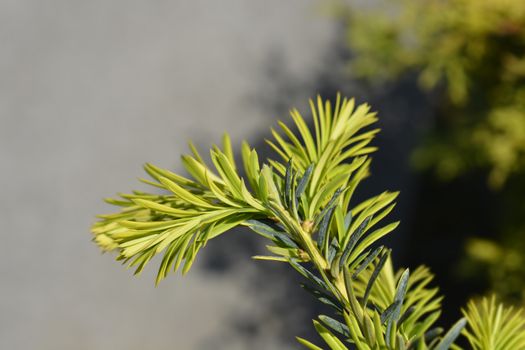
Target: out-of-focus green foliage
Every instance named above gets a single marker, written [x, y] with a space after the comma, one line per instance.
[471, 54]
[475, 52]
[505, 265]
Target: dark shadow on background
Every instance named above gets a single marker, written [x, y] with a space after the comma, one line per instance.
[404, 114]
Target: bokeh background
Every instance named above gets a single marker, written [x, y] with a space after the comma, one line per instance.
[91, 90]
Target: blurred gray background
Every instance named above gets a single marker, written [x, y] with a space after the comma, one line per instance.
[91, 90]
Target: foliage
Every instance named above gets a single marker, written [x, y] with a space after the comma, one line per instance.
[505, 264]
[301, 202]
[493, 326]
[474, 50]
[472, 55]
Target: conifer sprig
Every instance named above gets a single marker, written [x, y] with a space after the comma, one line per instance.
[302, 203]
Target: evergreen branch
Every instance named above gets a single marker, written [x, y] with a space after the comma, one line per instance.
[491, 326]
[303, 207]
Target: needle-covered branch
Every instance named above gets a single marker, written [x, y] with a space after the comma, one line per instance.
[303, 205]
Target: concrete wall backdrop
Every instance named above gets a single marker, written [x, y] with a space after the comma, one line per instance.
[91, 90]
